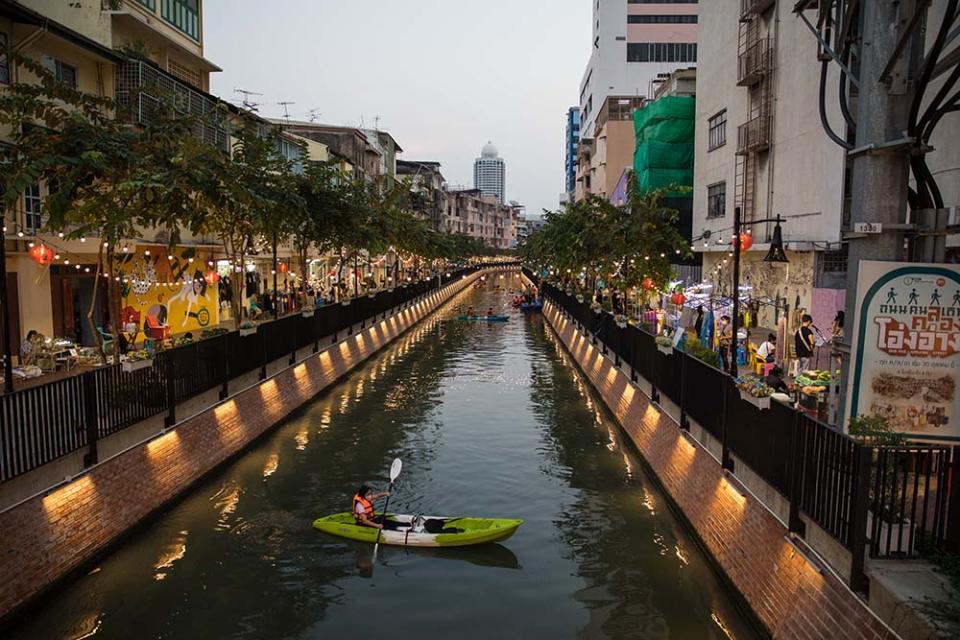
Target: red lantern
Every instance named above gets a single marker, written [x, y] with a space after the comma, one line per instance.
[42, 254]
[746, 241]
[678, 298]
[284, 267]
[212, 278]
[648, 284]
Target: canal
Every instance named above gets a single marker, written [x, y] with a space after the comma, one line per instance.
[489, 420]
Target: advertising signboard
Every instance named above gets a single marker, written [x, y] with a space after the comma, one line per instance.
[905, 348]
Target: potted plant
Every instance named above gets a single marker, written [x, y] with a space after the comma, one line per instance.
[621, 320]
[596, 307]
[137, 360]
[308, 312]
[755, 391]
[247, 328]
[664, 342]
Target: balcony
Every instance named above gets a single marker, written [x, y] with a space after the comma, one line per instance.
[144, 88]
[751, 8]
[755, 62]
[753, 136]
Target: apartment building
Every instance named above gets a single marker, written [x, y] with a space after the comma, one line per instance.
[363, 154]
[426, 182]
[632, 42]
[603, 159]
[472, 213]
[150, 49]
[761, 146]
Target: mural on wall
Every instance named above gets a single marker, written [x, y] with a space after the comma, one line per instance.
[169, 284]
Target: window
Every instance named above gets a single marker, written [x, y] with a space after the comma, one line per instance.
[149, 4]
[662, 19]
[836, 261]
[62, 72]
[184, 15]
[717, 200]
[32, 209]
[663, 1]
[718, 130]
[661, 52]
[4, 65]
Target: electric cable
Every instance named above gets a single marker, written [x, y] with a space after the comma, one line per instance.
[823, 109]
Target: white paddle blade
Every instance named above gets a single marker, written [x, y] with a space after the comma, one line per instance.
[395, 469]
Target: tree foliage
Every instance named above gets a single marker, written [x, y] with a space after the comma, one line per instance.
[622, 246]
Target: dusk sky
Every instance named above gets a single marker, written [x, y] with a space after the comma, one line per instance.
[443, 76]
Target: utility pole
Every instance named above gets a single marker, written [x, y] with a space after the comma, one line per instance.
[881, 155]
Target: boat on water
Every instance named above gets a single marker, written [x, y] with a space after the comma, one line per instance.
[531, 307]
[421, 531]
[484, 318]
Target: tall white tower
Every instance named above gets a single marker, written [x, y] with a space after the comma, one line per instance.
[490, 173]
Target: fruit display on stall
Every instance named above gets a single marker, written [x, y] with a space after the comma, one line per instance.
[754, 386]
[816, 378]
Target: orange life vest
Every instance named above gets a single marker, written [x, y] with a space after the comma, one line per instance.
[367, 509]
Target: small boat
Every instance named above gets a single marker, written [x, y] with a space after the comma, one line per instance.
[531, 307]
[484, 318]
[422, 531]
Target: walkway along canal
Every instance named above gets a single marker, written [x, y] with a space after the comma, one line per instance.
[489, 420]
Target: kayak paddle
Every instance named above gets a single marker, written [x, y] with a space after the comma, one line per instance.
[394, 472]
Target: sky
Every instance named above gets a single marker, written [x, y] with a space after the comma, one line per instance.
[442, 76]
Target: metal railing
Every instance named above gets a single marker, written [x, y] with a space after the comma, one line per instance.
[892, 501]
[754, 135]
[41, 424]
[755, 62]
[143, 88]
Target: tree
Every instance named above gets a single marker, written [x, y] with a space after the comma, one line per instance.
[310, 225]
[247, 195]
[624, 246]
[107, 179]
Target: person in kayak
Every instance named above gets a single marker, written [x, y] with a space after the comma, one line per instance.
[490, 312]
[363, 511]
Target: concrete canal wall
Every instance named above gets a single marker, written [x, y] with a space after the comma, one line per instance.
[52, 534]
[791, 595]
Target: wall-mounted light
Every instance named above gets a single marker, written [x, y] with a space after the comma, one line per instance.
[800, 547]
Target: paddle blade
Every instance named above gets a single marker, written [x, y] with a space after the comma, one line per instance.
[395, 469]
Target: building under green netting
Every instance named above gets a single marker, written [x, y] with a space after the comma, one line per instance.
[665, 143]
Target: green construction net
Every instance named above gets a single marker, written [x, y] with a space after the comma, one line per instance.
[665, 143]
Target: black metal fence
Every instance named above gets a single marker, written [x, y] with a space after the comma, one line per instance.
[899, 500]
[41, 424]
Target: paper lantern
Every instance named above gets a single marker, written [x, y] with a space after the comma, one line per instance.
[42, 254]
[746, 241]
[678, 298]
[648, 284]
[212, 278]
[284, 267]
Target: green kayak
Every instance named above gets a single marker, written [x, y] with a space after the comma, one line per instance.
[422, 531]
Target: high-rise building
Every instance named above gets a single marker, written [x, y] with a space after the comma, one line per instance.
[633, 42]
[490, 173]
[573, 140]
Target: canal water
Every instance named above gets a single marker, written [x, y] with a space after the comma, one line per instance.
[489, 420]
